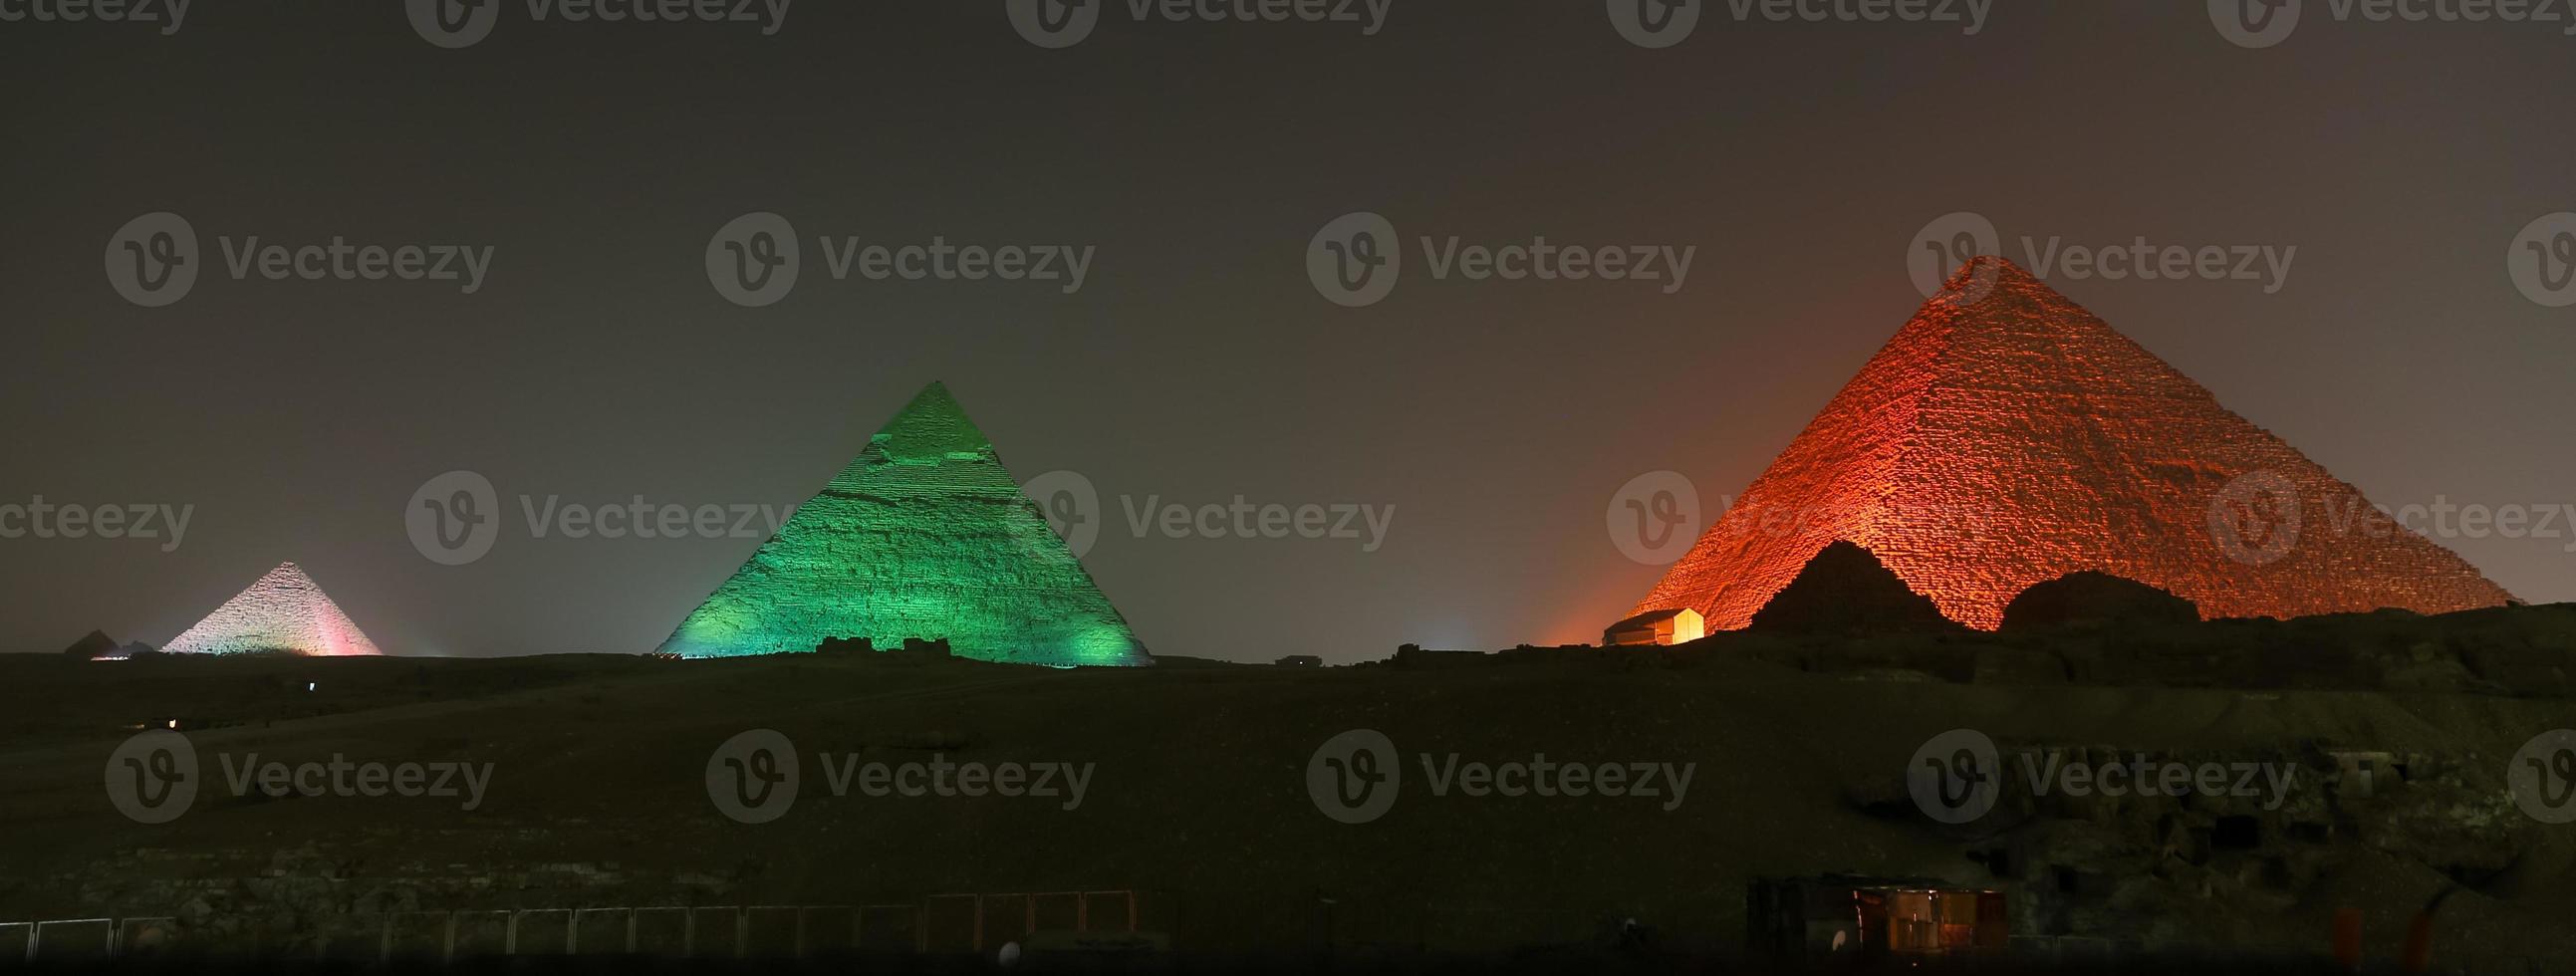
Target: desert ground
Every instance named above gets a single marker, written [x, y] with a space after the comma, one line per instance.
[1197, 798]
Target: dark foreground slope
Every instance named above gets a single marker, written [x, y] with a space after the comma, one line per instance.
[1198, 794]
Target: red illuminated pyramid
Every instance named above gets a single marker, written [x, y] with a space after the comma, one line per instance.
[2015, 438]
[283, 612]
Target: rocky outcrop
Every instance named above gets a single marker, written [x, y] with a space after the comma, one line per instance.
[2096, 598]
[1846, 590]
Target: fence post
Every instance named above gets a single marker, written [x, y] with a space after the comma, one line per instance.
[447, 952]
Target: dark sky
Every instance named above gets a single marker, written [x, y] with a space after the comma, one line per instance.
[597, 362]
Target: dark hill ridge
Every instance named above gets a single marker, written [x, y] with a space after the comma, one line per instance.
[599, 791]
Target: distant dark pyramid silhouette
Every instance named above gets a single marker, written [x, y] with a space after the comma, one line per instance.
[925, 536]
[93, 647]
[1845, 589]
[2014, 438]
[283, 611]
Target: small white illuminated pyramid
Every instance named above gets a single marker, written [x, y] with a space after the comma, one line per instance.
[283, 612]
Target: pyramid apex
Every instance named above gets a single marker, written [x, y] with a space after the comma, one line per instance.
[1989, 270]
[931, 427]
[284, 610]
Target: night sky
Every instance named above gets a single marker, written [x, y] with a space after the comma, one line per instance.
[1197, 362]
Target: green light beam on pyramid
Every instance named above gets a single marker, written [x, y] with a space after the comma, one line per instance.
[925, 535]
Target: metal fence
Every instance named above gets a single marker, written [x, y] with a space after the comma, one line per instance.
[938, 924]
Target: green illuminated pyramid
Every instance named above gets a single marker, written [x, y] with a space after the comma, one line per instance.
[926, 536]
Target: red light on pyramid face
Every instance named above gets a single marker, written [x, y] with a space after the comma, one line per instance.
[2010, 440]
